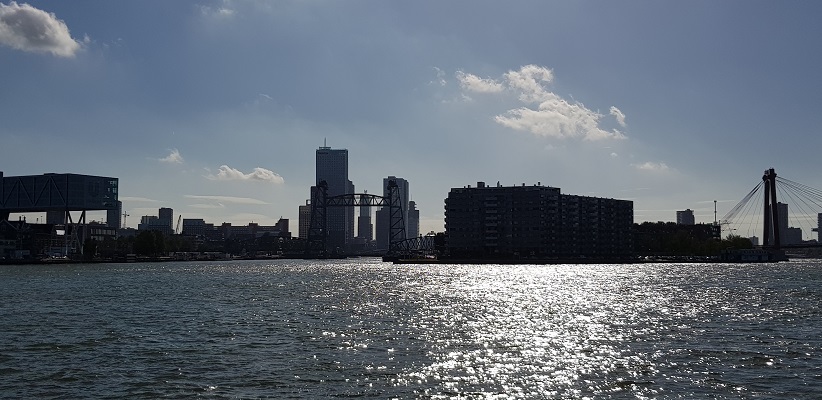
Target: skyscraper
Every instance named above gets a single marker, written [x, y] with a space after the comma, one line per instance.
[383, 214]
[365, 230]
[413, 223]
[115, 216]
[304, 221]
[332, 167]
[166, 216]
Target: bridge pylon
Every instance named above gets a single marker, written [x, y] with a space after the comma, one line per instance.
[771, 211]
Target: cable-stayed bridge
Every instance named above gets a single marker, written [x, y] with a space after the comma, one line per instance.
[778, 212]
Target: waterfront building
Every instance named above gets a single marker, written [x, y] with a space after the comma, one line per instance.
[56, 195]
[383, 214]
[166, 216]
[114, 216]
[535, 221]
[819, 228]
[413, 222]
[365, 229]
[304, 222]
[332, 167]
[782, 220]
[793, 236]
[685, 217]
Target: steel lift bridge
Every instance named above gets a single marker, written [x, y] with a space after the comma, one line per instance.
[316, 244]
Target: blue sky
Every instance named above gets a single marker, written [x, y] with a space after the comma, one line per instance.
[215, 108]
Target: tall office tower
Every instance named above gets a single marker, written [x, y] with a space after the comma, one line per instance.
[332, 167]
[305, 219]
[166, 217]
[383, 214]
[365, 230]
[115, 217]
[413, 223]
[782, 220]
[685, 217]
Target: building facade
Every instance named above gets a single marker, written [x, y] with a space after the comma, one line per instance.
[383, 215]
[535, 221]
[114, 217]
[685, 217]
[332, 167]
[413, 223]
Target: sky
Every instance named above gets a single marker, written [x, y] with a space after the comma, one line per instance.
[215, 108]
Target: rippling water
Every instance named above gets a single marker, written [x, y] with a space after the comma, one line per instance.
[364, 328]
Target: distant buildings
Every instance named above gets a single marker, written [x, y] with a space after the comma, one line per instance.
[685, 217]
[535, 221]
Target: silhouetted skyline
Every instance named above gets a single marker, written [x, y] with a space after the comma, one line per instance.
[215, 108]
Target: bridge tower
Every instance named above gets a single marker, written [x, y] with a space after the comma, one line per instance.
[771, 211]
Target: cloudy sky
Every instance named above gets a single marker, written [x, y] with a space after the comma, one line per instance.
[215, 108]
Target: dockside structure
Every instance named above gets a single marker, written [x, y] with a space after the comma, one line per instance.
[535, 222]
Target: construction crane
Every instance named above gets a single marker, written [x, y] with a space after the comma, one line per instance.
[179, 219]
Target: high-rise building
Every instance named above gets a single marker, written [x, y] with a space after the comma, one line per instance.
[304, 220]
[413, 223]
[115, 217]
[782, 220]
[332, 167]
[365, 230]
[383, 214]
[166, 217]
[685, 217]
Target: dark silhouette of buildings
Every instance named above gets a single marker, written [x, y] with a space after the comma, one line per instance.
[535, 221]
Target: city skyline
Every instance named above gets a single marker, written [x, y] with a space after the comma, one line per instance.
[215, 108]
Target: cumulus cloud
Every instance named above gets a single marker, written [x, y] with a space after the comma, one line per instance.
[227, 199]
[652, 166]
[553, 115]
[226, 173]
[30, 29]
[173, 158]
[474, 83]
[619, 115]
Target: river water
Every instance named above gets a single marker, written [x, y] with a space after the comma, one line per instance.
[363, 328]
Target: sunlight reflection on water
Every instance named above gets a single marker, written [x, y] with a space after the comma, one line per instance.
[361, 327]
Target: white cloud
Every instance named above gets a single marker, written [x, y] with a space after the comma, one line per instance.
[619, 115]
[173, 158]
[207, 206]
[614, 155]
[226, 173]
[218, 12]
[554, 116]
[652, 166]
[26, 28]
[137, 199]
[474, 83]
[440, 77]
[228, 199]
[530, 81]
